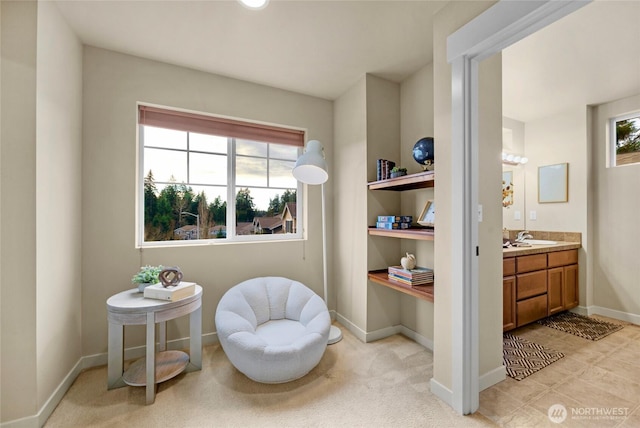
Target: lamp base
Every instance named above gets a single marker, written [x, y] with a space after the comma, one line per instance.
[335, 335]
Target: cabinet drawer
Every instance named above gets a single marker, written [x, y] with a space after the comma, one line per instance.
[531, 310]
[531, 284]
[563, 258]
[509, 266]
[531, 263]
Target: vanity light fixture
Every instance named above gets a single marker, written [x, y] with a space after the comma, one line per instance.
[511, 159]
[254, 4]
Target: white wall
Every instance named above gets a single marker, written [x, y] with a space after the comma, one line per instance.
[113, 83]
[615, 208]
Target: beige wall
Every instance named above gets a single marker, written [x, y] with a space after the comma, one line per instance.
[113, 83]
[416, 121]
[447, 21]
[18, 201]
[350, 172]
[616, 203]
[58, 190]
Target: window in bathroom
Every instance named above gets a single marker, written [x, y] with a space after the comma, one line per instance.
[625, 139]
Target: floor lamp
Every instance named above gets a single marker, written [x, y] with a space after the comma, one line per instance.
[311, 168]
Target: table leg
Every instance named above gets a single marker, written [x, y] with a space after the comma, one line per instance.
[162, 333]
[151, 358]
[195, 341]
[115, 356]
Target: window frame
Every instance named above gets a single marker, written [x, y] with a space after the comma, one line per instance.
[231, 237]
[613, 138]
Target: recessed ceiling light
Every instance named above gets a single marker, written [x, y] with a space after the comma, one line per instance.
[254, 4]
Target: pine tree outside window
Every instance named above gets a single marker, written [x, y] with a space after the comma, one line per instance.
[625, 139]
[191, 165]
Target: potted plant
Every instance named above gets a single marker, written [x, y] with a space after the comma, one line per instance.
[146, 276]
[398, 172]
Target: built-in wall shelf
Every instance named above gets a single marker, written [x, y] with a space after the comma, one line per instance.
[420, 180]
[415, 233]
[424, 292]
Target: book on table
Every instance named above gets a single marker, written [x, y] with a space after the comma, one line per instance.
[171, 293]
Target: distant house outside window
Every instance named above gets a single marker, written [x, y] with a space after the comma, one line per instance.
[192, 165]
[625, 139]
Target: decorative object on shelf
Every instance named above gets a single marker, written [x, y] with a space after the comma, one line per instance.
[553, 183]
[311, 168]
[170, 276]
[384, 167]
[507, 188]
[423, 152]
[428, 215]
[146, 276]
[408, 262]
[398, 172]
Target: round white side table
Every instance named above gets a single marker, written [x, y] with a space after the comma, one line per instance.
[131, 308]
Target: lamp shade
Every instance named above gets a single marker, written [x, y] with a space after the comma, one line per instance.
[311, 168]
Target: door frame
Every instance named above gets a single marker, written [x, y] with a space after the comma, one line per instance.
[489, 33]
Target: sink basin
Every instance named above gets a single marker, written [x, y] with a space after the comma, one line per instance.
[539, 242]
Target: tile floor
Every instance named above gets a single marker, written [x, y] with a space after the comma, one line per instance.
[598, 382]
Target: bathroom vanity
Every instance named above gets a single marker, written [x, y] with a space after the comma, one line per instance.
[538, 281]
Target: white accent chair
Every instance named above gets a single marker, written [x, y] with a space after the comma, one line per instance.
[272, 329]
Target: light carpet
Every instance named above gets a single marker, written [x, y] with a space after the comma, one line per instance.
[379, 384]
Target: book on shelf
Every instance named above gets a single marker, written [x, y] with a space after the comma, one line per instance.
[395, 219]
[383, 169]
[410, 282]
[411, 275]
[392, 226]
[172, 293]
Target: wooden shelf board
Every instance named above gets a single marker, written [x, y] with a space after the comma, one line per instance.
[418, 234]
[424, 292]
[168, 364]
[420, 180]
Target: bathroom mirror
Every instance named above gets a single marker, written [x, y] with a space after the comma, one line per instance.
[552, 183]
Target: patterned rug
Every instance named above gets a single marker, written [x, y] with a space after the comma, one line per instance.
[523, 358]
[585, 327]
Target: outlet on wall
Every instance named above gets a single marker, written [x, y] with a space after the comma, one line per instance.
[533, 215]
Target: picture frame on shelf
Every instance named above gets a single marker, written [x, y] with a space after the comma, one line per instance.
[427, 217]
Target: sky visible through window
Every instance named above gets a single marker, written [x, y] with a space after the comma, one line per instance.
[200, 161]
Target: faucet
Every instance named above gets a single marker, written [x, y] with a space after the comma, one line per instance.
[523, 235]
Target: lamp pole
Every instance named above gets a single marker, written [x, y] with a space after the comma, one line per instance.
[197, 222]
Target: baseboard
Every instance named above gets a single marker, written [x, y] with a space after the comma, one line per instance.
[612, 313]
[494, 376]
[49, 406]
[87, 362]
[354, 329]
[417, 337]
[372, 336]
[442, 392]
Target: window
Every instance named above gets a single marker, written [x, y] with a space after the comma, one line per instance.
[192, 165]
[625, 139]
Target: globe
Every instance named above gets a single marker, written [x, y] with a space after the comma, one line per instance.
[423, 153]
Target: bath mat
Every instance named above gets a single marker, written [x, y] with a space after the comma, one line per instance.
[523, 358]
[579, 325]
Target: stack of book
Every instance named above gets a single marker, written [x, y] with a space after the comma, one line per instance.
[416, 276]
[384, 168]
[394, 222]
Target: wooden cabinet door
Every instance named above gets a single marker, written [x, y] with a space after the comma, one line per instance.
[508, 303]
[530, 310]
[555, 290]
[570, 285]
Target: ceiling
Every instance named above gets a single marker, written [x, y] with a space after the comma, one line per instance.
[321, 48]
